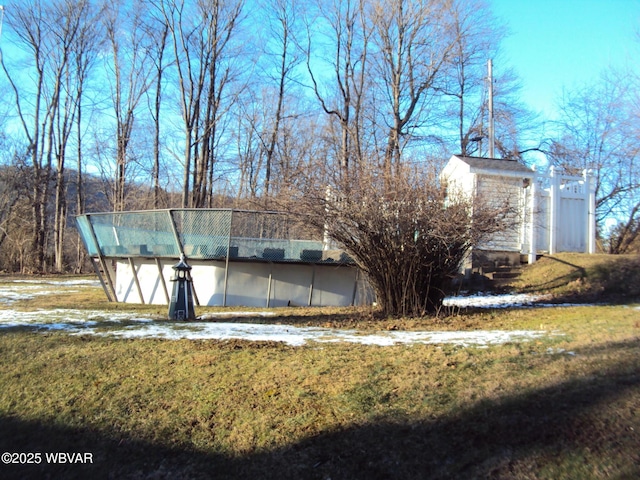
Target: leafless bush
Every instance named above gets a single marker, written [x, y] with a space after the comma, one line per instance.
[404, 232]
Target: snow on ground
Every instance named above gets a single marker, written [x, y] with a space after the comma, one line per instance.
[122, 325]
[28, 289]
[210, 326]
[71, 320]
[507, 300]
[297, 336]
[214, 315]
[80, 281]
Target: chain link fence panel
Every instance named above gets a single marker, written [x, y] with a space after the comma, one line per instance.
[135, 234]
[203, 234]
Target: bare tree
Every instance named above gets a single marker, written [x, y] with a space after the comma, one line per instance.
[203, 41]
[283, 58]
[47, 107]
[414, 40]
[14, 189]
[88, 44]
[130, 75]
[249, 146]
[343, 26]
[464, 83]
[625, 236]
[80, 44]
[158, 31]
[27, 20]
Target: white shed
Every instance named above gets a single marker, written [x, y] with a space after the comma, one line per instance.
[494, 179]
[556, 212]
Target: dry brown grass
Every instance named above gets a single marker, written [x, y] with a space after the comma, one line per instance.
[581, 277]
[206, 409]
[563, 406]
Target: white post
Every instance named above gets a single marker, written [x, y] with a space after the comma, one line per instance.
[491, 126]
[269, 288]
[590, 200]
[533, 203]
[326, 239]
[553, 209]
[1, 22]
[1, 19]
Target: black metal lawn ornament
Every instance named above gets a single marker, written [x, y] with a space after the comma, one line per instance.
[181, 306]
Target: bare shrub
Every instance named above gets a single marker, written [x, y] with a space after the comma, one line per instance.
[404, 232]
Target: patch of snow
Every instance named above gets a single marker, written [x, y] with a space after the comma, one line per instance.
[297, 336]
[508, 300]
[63, 319]
[127, 325]
[558, 351]
[27, 289]
[130, 325]
[79, 282]
[216, 331]
[213, 315]
[10, 295]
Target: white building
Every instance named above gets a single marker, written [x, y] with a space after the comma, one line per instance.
[555, 212]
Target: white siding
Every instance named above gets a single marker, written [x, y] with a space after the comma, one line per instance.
[498, 191]
[248, 284]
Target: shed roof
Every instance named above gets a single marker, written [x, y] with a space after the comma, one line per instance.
[495, 164]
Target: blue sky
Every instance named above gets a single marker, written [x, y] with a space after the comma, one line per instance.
[563, 44]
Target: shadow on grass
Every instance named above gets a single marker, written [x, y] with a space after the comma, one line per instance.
[511, 437]
[552, 282]
[616, 280]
